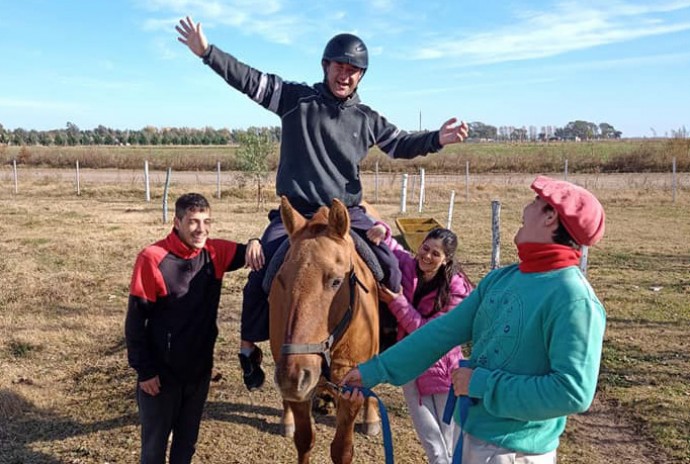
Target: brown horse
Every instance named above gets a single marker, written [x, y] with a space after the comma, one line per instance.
[324, 320]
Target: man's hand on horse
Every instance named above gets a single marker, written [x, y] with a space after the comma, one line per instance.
[376, 234]
[254, 256]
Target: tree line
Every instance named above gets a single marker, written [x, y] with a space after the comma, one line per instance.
[72, 135]
[574, 130]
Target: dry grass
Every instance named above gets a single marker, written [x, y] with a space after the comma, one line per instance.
[629, 155]
[66, 392]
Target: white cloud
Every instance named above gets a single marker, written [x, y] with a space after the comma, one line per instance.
[567, 28]
[266, 19]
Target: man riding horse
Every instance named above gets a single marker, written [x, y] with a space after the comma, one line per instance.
[326, 133]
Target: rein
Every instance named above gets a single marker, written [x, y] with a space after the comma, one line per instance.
[324, 348]
[385, 422]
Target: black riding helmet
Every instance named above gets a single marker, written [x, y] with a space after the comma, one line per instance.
[347, 48]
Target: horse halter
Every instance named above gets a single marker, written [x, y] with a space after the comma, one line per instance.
[324, 348]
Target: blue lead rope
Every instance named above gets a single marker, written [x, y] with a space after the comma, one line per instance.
[385, 423]
[465, 403]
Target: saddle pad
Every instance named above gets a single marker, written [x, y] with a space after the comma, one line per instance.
[361, 245]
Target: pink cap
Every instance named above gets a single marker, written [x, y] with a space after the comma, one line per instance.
[578, 210]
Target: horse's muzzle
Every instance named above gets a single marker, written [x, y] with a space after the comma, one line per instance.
[297, 376]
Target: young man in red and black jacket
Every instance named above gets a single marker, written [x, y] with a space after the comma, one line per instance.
[171, 326]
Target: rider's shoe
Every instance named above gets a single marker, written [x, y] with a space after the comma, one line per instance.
[252, 373]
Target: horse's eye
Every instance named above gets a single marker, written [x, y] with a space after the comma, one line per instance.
[336, 283]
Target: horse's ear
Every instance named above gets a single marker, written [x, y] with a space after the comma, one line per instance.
[339, 219]
[292, 220]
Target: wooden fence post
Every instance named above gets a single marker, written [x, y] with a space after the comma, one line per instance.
[583, 259]
[403, 194]
[566, 170]
[14, 173]
[675, 182]
[218, 180]
[495, 234]
[78, 183]
[165, 196]
[146, 181]
[467, 181]
[376, 183]
[422, 186]
[450, 209]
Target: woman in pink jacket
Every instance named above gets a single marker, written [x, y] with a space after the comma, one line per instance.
[433, 283]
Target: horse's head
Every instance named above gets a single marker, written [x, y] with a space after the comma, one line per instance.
[310, 296]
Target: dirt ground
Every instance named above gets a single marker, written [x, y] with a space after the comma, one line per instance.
[89, 417]
[67, 394]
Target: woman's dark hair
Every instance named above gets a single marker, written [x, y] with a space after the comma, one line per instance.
[444, 276]
[561, 234]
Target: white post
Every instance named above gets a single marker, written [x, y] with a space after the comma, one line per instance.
[218, 180]
[146, 181]
[78, 186]
[675, 182]
[583, 259]
[376, 183]
[14, 171]
[165, 196]
[450, 209]
[403, 194]
[421, 189]
[495, 234]
[467, 181]
[414, 187]
[566, 170]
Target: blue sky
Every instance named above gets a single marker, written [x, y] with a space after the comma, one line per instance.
[506, 63]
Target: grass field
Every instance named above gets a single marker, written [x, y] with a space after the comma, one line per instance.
[66, 393]
[629, 155]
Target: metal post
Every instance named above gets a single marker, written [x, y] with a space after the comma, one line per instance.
[675, 182]
[450, 209]
[421, 189]
[146, 181]
[376, 183]
[495, 234]
[583, 259]
[14, 171]
[403, 194]
[78, 186]
[218, 180]
[165, 196]
[566, 170]
[467, 181]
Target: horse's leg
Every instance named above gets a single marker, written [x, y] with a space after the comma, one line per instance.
[287, 421]
[304, 430]
[342, 446]
[372, 421]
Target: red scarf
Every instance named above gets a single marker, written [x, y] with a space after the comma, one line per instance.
[542, 257]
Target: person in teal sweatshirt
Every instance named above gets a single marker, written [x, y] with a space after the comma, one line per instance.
[536, 329]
